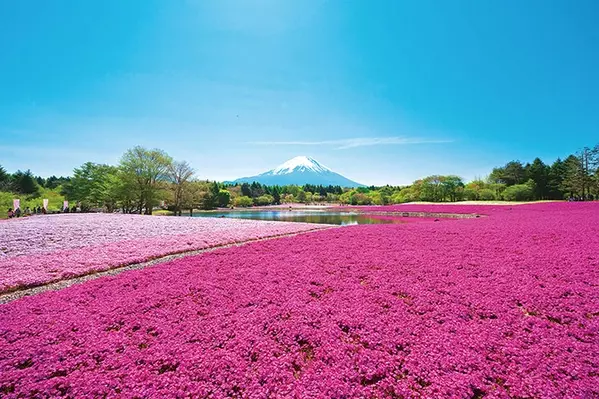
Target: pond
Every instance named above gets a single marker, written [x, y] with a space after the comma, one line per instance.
[326, 217]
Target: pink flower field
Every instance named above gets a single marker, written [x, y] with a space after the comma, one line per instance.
[42, 249]
[503, 306]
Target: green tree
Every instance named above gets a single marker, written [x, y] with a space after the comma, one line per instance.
[300, 196]
[223, 198]
[518, 192]
[53, 182]
[487, 194]
[539, 173]
[243, 201]
[276, 195]
[405, 194]
[179, 174]
[146, 169]
[574, 179]
[93, 185]
[453, 187]
[195, 195]
[262, 200]
[246, 190]
[513, 173]
[24, 183]
[360, 198]
[557, 173]
[4, 179]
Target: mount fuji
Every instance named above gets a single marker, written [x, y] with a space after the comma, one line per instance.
[300, 170]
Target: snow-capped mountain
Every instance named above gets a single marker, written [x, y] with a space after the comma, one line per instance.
[300, 170]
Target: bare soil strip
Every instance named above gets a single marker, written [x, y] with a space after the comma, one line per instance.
[58, 285]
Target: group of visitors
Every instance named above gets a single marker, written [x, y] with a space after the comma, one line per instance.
[17, 212]
[27, 212]
[588, 197]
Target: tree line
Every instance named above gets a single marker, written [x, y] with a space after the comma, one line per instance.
[146, 179]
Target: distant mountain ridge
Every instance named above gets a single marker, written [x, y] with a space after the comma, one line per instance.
[299, 171]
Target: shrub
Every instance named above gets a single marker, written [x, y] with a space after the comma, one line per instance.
[243, 201]
[518, 192]
[487, 195]
[264, 200]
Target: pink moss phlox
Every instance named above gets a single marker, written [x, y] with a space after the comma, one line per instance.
[504, 306]
[42, 249]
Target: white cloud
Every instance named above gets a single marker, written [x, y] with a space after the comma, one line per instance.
[343, 144]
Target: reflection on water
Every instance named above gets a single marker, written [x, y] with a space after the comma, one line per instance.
[326, 217]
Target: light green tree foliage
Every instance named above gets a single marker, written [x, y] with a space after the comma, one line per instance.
[223, 198]
[243, 201]
[360, 198]
[453, 188]
[479, 190]
[300, 196]
[332, 197]
[288, 199]
[293, 190]
[194, 194]
[309, 197]
[146, 169]
[376, 198]
[94, 186]
[265, 199]
[179, 174]
[486, 194]
[405, 194]
[518, 192]
[438, 188]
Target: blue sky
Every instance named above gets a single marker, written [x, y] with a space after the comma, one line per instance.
[380, 91]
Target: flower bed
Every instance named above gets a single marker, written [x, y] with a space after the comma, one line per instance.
[505, 306]
[42, 249]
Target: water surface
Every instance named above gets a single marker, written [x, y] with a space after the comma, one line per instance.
[326, 217]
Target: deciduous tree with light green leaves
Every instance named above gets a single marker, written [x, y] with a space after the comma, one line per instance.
[94, 186]
[179, 174]
[146, 169]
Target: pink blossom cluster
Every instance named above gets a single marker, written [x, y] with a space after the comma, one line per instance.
[505, 306]
[42, 249]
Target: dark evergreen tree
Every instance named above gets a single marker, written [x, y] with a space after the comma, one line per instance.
[4, 178]
[246, 190]
[539, 173]
[555, 179]
[276, 195]
[24, 183]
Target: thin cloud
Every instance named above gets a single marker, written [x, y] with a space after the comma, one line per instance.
[343, 144]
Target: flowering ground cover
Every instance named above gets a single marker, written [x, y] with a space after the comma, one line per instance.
[459, 208]
[505, 306]
[42, 249]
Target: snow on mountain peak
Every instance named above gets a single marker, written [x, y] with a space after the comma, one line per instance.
[299, 164]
